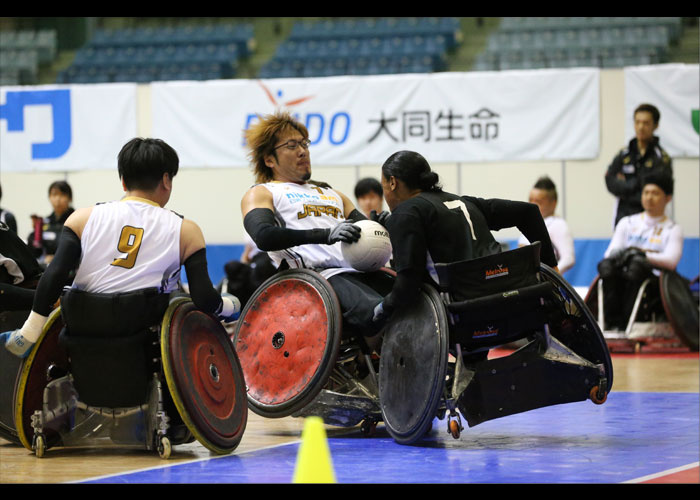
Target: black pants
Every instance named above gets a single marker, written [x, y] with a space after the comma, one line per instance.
[621, 285]
[359, 294]
[15, 298]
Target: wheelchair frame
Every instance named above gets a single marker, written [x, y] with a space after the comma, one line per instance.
[49, 414]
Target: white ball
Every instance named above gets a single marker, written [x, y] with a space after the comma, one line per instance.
[372, 251]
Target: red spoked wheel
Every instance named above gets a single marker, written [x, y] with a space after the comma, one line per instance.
[287, 340]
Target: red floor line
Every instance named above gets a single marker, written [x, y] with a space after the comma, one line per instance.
[681, 475]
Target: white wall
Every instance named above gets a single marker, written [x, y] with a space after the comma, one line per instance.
[211, 197]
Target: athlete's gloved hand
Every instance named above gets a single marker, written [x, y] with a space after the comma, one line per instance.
[380, 217]
[15, 342]
[379, 313]
[345, 231]
[231, 308]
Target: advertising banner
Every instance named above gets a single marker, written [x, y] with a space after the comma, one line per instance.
[64, 128]
[675, 90]
[447, 117]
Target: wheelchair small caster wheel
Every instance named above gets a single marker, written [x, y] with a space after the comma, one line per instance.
[39, 445]
[164, 447]
[597, 397]
[369, 427]
[454, 429]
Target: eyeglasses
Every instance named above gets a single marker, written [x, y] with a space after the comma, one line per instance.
[293, 144]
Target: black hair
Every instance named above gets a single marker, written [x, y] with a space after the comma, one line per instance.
[142, 163]
[650, 108]
[368, 185]
[664, 181]
[413, 170]
[546, 184]
[63, 187]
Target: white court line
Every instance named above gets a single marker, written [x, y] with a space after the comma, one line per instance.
[663, 473]
[184, 462]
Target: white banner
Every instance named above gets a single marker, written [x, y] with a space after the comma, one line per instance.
[675, 90]
[62, 128]
[447, 117]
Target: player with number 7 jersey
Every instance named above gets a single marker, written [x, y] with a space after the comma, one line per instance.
[428, 225]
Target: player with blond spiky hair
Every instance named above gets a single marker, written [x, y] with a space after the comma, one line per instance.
[301, 223]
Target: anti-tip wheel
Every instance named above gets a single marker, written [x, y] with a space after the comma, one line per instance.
[596, 397]
[369, 427]
[39, 445]
[164, 448]
[454, 429]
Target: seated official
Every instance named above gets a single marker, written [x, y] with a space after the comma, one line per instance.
[131, 244]
[642, 244]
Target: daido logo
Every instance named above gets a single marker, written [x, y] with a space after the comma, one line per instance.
[333, 128]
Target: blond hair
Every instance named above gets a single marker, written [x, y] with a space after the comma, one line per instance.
[262, 136]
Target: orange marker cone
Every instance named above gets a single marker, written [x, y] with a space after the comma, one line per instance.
[314, 458]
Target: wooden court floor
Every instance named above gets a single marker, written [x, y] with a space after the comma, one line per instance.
[671, 376]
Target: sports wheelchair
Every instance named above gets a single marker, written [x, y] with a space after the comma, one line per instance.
[298, 357]
[155, 373]
[664, 316]
[433, 357]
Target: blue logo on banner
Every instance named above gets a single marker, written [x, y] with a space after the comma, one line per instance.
[59, 100]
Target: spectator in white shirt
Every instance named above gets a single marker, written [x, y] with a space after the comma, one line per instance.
[544, 195]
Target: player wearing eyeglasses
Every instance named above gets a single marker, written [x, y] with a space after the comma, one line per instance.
[299, 222]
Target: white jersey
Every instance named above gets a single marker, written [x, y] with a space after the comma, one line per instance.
[306, 206]
[562, 241]
[659, 237]
[127, 245]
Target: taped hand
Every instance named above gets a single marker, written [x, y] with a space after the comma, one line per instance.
[16, 343]
[231, 308]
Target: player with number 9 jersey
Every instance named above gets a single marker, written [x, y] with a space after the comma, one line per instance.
[129, 244]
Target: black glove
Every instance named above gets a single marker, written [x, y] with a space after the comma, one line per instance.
[628, 254]
[380, 217]
[345, 231]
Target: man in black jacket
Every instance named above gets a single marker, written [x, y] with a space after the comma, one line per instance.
[642, 156]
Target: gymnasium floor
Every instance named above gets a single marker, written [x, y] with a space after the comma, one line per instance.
[646, 432]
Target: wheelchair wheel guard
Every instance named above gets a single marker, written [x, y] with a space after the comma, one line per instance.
[287, 340]
[204, 376]
[47, 356]
[575, 326]
[681, 307]
[413, 367]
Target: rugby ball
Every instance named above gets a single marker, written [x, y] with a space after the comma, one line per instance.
[372, 251]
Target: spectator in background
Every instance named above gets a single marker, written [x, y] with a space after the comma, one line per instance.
[7, 217]
[44, 238]
[642, 243]
[245, 276]
[642, 156]
[369, 195]
[544, 195]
